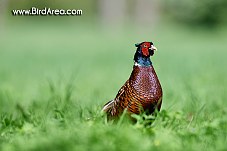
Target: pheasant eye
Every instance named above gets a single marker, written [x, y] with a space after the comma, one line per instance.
[145, 46]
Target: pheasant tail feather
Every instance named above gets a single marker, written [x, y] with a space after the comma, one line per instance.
[108, 106]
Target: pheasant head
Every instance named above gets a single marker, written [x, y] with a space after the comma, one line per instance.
[143, 53]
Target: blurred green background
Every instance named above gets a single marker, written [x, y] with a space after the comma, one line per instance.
[56, 72]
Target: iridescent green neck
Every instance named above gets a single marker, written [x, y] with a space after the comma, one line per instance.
[142, 61]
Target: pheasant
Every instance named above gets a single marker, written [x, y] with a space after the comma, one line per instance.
[142, 92]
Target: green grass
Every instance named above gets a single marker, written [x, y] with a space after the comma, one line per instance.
[55, 80]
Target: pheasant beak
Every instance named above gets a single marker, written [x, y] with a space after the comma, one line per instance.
[153, 48]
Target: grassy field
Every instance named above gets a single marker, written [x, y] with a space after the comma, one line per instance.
[54, 81]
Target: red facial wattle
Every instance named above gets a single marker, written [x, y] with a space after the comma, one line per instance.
[145, 48]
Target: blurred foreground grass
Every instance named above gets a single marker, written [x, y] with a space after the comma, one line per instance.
[54, 81]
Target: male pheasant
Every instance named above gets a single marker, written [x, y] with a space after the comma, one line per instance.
[142, 91]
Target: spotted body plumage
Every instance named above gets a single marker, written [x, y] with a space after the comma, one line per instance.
[142, 91]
